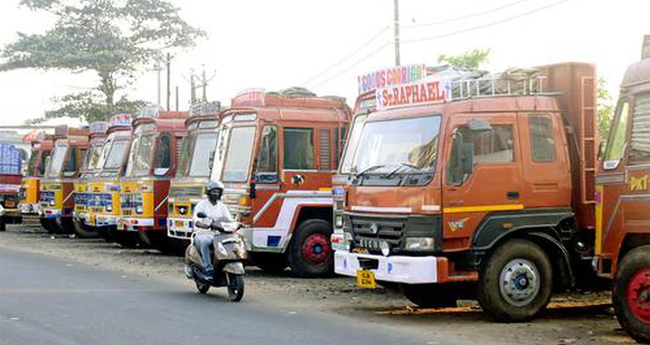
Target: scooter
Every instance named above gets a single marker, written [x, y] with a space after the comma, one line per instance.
[229, 253]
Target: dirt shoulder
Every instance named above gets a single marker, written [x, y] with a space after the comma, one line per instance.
[572, 319]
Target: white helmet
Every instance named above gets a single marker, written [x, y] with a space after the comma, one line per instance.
[214, 184]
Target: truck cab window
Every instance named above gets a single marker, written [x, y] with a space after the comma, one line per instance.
[71, 164]
[164, 153]
[639, 142]
[298, 148]
[542, 144]
[267, 156]
[617, 143]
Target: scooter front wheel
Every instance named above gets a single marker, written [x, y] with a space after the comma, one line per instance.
[235, 287]
[202, 287]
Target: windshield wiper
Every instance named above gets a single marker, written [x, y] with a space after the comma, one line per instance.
[400, 166]
[367, 170]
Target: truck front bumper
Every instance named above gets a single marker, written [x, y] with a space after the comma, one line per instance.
[398, 269]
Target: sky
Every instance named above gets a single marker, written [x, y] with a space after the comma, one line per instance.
[325, 45]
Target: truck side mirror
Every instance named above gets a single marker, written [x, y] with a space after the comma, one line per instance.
[467, 160]
[601, 149]
[454, 166]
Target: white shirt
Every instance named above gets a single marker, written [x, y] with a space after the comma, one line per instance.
[218, 212]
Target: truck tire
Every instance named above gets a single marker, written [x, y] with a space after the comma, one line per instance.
[431, 295]
[310, 252]
[3, 226]
[631, 295]
[516, 282]
[83, 231]
[49, 225]
[272, 263]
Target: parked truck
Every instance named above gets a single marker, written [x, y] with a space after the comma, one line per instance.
[10, 179]
[56, 189]
[187, 188]
[623, 202]
[276, 154]
[105, 186]
[88, 169]
[29, 191]
[476, 186]
[153, 157]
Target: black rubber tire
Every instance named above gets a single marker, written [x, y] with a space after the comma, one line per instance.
[488, 290]
[236, 287]
[633, 262]
[3, 226]
[83, 231]
[298, 264]
[65, 225]
[432, 295]
[272, 263]
[201, 287]
[127, 239]
[49, 225]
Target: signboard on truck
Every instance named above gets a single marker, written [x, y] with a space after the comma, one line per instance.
[10, 159]
[417, 93]
[391, 76]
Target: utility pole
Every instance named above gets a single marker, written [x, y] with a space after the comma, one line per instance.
[396, 25]
[169, 91]
[177, 98]
[192, 90]
[205, 86]
[158, 69]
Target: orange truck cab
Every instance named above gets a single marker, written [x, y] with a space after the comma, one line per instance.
[57, 189]
[153, 157]
[474, 185]
[187, 188]
[10, 178]
[623, 196]
[89, 167]
[276, 154]
[105, 186]
[30, 186]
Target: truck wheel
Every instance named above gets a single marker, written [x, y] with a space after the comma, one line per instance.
[272, 263]
[83, 231]
[431, 295]
[3, 226]
[310, 253]
[631, 296]
[49, 225]
[516, 282]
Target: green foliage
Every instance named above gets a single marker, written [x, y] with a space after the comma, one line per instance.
[470, 59]
[89, 106]
[113, 38]
[605, 109]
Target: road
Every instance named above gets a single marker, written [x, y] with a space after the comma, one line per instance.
[45, 300]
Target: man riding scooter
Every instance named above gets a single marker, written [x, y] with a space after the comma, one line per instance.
[216, 216]
[215, 243]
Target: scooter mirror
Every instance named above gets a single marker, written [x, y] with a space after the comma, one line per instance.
[202, 215]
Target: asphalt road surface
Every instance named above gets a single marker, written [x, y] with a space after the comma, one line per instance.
[44, 300]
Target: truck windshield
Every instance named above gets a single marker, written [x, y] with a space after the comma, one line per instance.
[92, 158]
[197, 150]
[56, 162]
[409, 145]
[114, 154]
[238, 157]
[357, 127]
[141, 155]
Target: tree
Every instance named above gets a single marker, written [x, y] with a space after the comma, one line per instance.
[112, 38]
[470, 59]
[605, 109]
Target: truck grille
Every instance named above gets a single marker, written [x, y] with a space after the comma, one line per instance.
[370, 231]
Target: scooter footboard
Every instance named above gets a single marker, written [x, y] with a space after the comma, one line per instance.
[234, 268]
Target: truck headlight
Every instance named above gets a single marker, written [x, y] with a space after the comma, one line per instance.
[51, 202]
[109, 208]
[419, 243]
[338, 221]
[138, 209]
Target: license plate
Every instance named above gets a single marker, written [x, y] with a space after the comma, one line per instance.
[366, 279]
[179, 223]
[10, 203]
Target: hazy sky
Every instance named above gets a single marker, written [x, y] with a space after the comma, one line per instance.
[282, 43]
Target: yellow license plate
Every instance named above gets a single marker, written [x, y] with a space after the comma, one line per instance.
[366, 279]
[9, 203]
[179, 223]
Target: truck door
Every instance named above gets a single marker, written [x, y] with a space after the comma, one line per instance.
[482, 175]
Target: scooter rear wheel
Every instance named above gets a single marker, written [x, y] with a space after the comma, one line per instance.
[235, 287]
